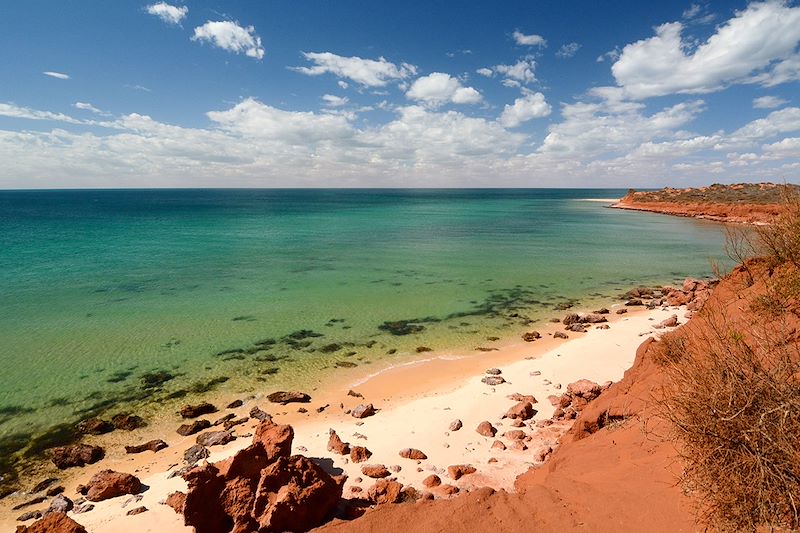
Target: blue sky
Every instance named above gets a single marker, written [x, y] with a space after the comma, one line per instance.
[263, 94]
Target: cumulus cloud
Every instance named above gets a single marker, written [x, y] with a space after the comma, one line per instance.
[331, 100]
[568, 50]
[521, 72]
[768, 102]
[484, 71]
[230, 36]
[528, 107]
[14, 111]
[528, 40]
[757, 45]
[439, 88]
[365, 72]
[57, 75]
[611, 55]
[167, 12]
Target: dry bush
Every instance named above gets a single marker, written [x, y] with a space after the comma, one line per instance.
[733, 399]
[780, 241]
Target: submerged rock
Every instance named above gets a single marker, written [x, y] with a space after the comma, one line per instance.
[127, 422]
[95, 426]
[76, 455]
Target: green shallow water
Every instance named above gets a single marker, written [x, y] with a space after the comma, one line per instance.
[101, 291]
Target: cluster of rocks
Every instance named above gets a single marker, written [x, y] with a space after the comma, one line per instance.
[578, 395]
[693, 294]
[261, 488]
[577, 321]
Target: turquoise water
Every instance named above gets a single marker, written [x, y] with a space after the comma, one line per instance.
[113, 299]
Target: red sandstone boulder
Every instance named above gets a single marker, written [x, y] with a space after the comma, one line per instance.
[53, 523]
[76, 455]
[95, 426]
[193, 411]
[359, 454]
[432, 481]
[457, 471]
[176, 500]
[336, 445]
[110, 484]
[385, 491]
[670, 322]
[284, 397]
[412, 453]
[521, 411]
[190, 429]
[261, 488]
[375, 471]
[486, 429]
[152, 445]
[363, 410]
[584, 388]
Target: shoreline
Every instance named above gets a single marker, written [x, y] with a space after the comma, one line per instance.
[411, 385]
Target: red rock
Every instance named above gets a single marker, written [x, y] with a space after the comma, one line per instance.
[584, 388]
[621, 311]
[670, 322]
[234, 404]
[363, 411]
[385, 491]
[152, 445]
[53, 523]
[518, 445]
[522, 411]
[412, 453]
[127, 422]
[176, 500]
[455, 425]
[375, 471]
[515, 434]
[284, 397]
[432, 481]
[192, 428]
[359, 454]
[542, 454]
[531, 336]
[110, 484]
[137, 510]
[261, 488]
[498, 445]
[228, 424]
[95, 426]
[76, 455]
[336, 445]
[193, 411]
[493, 380]
[215, 438]
[457, 471]
[517, 397]
[449, 490]
[486, 429]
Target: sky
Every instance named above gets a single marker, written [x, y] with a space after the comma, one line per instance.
[345, 93]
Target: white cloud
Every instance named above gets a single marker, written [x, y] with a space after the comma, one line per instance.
[167, 12]
[611, 55]
[768, 102]
[745, 49]
[365, 72]
[342, 84]
[568, 50]
[483, 71]
[528, 40]
[332, 100]
[439, 88]
[781, 121]
[698, 14]
[521, 72]
[85, 106]
[13, 111]
[231, 37]
[57, 75]
[528, 107]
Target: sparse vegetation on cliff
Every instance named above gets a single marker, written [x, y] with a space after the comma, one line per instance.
[732, 391]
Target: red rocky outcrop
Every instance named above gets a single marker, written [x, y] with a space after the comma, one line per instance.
[76, 455]
[53, 523]
[262, 488]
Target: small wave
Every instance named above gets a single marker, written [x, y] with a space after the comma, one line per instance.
[445, 357]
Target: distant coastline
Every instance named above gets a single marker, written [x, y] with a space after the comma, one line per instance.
[754, 204]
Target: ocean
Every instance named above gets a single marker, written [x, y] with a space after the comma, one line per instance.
[137, 300]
